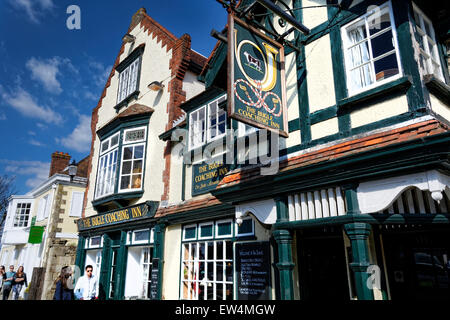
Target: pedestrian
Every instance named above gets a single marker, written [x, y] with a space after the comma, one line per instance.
[64, 285]
[8, 282]
[86, 287]
[20, 278]
[2, 276]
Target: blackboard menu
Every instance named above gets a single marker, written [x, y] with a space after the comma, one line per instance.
[253, 270]
[154, 279]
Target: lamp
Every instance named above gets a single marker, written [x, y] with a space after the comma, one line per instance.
[128, 38]
[72, 170]
[155, 86]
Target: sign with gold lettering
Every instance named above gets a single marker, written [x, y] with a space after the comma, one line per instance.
[139, 211]
[206, 177]
[256, 80]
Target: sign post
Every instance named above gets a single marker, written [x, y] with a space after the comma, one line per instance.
[256, 79]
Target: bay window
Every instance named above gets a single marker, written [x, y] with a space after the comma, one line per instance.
[424, 35]
[121, 162]
[371, 50]
[207, 123]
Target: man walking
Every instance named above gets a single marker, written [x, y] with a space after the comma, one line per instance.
[86, 287]
[8, 282]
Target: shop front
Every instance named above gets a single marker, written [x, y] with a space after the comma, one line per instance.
[122, 246]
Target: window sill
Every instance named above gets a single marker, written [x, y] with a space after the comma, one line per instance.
[125, 101]
[399, 85]
[438, 88]
[116, 197]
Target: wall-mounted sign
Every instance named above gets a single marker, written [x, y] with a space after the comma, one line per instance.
[154, 284]
[253, 270]
[206, 177]
[35, 235]
[256, 81]
[139, 211]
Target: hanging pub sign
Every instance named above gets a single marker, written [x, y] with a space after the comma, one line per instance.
[206, 176]
[256, 81]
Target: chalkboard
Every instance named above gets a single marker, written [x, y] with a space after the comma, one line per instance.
[253, 270]
[154, 279]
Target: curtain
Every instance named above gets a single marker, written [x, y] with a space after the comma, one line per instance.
[360, 59]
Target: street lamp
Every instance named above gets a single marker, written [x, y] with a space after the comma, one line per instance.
[72, 170]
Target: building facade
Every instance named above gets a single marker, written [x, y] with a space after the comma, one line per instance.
[40, 233]
[353, 204]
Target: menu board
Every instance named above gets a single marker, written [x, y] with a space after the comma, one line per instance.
[253, 270]
[154, 279]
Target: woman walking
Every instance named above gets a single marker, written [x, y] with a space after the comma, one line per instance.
[64, 285]
[20, 278]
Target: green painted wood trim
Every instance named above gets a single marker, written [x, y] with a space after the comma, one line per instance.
[294, 125]
[424, 218]
[119, 124]
[117, 196]
[438, 88]
[402, 10]
[205, 213]
[130, 58]
[302, 85]
[105, 268]
[350, 193]
[159, 237]
[121, 267]
[384, 91]
[359, 233]
[281, 203]
[324, 114]
[81, 254]
[219, 58]
[285, 264]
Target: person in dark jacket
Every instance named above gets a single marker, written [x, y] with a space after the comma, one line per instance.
[64, 285]
[20, 279]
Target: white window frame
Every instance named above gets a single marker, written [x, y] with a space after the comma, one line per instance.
[134, 129]
[133, 237]
[42, 207]
[128, 78]
[18, 213]
[429, 57]
[206, 133]
[145, 281]
[188, 227]
[236, 226]
[347, 44]
[105, 154]
[131, 174]
[72, 204]
[216, 227]
[89, 244]
[199, 236]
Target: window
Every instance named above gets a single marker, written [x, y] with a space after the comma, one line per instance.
[22, 214]
[94, 242]
[76, 206]
[207, 259]
[128, 80]
[207, 123]
[371, 50]
[112, 279]
[106, 177]
[146, 263]
[425, 37]
[42, 208]
[132, 159]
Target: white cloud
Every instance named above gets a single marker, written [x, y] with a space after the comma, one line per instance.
[2, 116]
[80, 138]
[38, 170]
[23, 102]
[45, 72]
[36, 143]
[33, 9]
[100, 72]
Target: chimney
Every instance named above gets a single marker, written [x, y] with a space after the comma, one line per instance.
[137, 18]
[60, 161]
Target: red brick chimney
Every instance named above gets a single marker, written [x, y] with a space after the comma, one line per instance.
[60, 161]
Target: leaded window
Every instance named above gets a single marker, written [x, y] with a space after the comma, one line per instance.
[22, 214]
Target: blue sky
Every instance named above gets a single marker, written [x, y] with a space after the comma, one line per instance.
[52, 77]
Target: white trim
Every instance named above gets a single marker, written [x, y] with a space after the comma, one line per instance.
[133, 237]
[119, 190]
[188, 227]
[199, 236]
[66, 235]
[347, 45]
[236, 228]
[216, 233]
[134, 129]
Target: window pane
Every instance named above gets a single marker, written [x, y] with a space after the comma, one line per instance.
[202, 251]
[386, 67]
[126, 167]
[210, 251]
[138, 152]
[219, 250]
[219, 271]
[114, 140]
[127, 153]
[377, 23]
[382, 44]
[137, 182]
[141, 236]
[125, 183]
[137, 166]
[229, 250]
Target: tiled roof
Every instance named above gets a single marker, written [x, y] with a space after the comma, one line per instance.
[188, 206]
[371, 142]
[135, 109]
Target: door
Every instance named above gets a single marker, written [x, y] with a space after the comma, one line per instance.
[322, 268]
